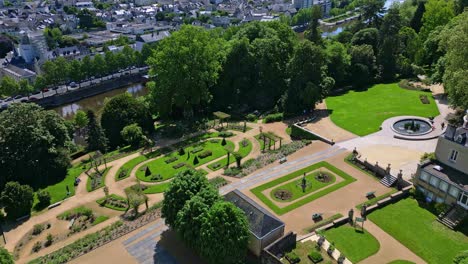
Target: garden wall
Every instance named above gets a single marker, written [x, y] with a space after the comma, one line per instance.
[299, 132]
[272, 253]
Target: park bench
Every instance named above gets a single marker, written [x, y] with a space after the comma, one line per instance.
[282, 160]
[54, 205]
[370, 194]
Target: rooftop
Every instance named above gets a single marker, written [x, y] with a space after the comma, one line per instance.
[261, 222]
[448, 174]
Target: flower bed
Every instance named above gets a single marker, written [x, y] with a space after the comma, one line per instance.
[218, 182]
[179, 165]
[113, 202]
[205, 154]
[196, 149]
[97, 239]
[170, 160]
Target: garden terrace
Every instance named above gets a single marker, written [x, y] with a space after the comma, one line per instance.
[362, 112]
[356, 244]
[418, 229]
[184, 161]
[259, 191]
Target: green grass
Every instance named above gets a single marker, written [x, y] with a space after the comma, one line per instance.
[295, 186]
[58, 191]
[157, 188]
[166, 171]
[376, 199]
[244, 151]
[128, 167]
[355, 244]
[271, 204]
[400, 261]
[302, 249]
[110, 206]
[80, 210]
[100, 219]
[363, 112]
[101, 184]
[418, 229]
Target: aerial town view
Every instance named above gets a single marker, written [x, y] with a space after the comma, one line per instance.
[234, 131]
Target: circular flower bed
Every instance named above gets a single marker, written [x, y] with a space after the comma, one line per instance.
[283, 195]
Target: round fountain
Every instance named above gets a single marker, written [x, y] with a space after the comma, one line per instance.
[412, 126]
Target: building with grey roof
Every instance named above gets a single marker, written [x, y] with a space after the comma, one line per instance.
[264, 227]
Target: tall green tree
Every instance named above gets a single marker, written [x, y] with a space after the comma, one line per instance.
[8, 86]
[123, 110]
[6, 257]
[363, 65]
[99, 65]
[416, 21]
[34, 145]
[17, 199]
[306, 69]
[225, 234]
[133, 135]
[369, 36]
[76, 73]
[372, 11]
[182, 188]
[186, 64]
[96, 138]
[389, 47]
[313, 32]
[438, 13]
[338, 61]
[81, 120]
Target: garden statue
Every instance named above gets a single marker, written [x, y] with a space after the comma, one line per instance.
[364, 211]
[304, 183]
[350, 216]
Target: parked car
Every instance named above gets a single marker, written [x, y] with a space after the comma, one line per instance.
[45, 90]
[24, 100]
[18, 96]
[73, 85]
[8, 99]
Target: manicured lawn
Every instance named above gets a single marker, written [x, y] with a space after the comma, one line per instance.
[89, 188]
[304, 248]
[244, 151]
[157, 188]
[282, 210]
[58, 191]
[418, 229]
[166, 169]
[295, 186]
[100, 219]
[363, 112]
[376, 199]
[401, 262]
[128, 167]
[356, 245]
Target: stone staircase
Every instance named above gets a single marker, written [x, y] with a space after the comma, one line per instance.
[453, 216]
[388, 180]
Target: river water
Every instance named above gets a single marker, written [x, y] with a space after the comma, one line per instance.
[96, 103]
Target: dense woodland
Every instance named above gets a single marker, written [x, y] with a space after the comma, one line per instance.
[256, 66]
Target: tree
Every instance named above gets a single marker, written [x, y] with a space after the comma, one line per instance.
[438, 13]
[123, 110]
[86, 67]
[456, 61]
[313, 32]
[133, 135]
[81, 120]
[416, 21]
[190, 218]
[369, 36]
[98, 65]
[17, 199]
[338, 61]
[372, 11]
[33, 145]
[111, 62]
[6, 45]
[6, 257]
[24, 87]
[182, 188]
[225, 234]
[306, 69]
[76, 71]
[40, 83]
[44, 198]
[390, 44]
[187, 64]
[96, 138]
[303, 16]
[8, 86]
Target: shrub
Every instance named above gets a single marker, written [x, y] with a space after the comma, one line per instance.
[331, 248]
[428, 156]
[218, 182]
[37, 229]
[43, 197]
[251, 117]
[37, 246]
[225, 134]
[156, 177]
[76, 212]
[195, 161]
[147, 172]
[223, 143]
[205, 154]
[181, 151]
[315, 256]
[440, 208]
[170, 160]
[292, 257]
[196, 149]
[244, 142]
[49, 240]
[123, 173]
[179, 165]
[274, 118]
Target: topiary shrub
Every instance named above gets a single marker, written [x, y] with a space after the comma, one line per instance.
[181, 151]
[223, 143]
[43, 197]
[195, 161]
[315, 256]
[273, 118]
[147, 172]
[251, 117]
[37, 229]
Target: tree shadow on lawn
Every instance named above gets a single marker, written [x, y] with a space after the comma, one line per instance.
[171, 250]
